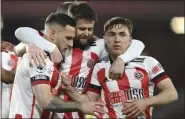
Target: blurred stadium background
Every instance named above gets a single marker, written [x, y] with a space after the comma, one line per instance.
[156, 23]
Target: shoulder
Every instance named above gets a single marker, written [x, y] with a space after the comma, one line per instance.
[147, 61]
[99, 42]
[101, 65]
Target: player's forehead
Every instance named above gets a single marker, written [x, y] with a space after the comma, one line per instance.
[69, 31]
[117, 28]
[84, 23]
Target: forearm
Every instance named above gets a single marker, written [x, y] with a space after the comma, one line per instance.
[58, 105]
[29, 35]
[77, 96]
[20, 49]
[7, 76]
[134, 50]
[162, 98]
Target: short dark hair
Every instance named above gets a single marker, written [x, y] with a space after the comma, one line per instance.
[78, 10]
[61, 19]
[118, 20]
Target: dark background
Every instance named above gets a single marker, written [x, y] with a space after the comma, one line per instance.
[151, 21]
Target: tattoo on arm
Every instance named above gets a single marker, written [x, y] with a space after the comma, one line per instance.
[59, 105]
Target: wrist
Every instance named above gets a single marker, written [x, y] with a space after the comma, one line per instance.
[79, 107]
[120, 59]
[50, 48]
[148, 102]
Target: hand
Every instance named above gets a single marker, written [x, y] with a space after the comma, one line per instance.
[93, 108]
[66, 82]
[133, 108]
[37, 56]
[117, 68]
[56, 56]
[7, 46]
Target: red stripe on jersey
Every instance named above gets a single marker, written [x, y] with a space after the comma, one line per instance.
[81, 115]
[95, 58]
[69, 114]
[18, 116]
[40, 33]
[88, 81]
[40, 82]
[54, 79]
[45, 114]
[124, 84]
[111, 112]
[77, 57]
[145, 86]
[15, 60]
[160, 79]
[52, 116]
[32, 107]
[101, 76]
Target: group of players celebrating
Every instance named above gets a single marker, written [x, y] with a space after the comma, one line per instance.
[65, 71]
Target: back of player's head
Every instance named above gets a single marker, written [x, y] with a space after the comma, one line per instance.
[78, 10]
[60, 19]
[109, 24]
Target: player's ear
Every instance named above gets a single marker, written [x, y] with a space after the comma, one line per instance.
[130, 39]
[105, 39]
[53, 34]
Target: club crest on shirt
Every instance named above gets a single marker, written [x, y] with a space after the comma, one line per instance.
[11, 63]
[90, 63]
[138, 75]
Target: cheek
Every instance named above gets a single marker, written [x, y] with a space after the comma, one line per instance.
[90, 32]
[78, 32]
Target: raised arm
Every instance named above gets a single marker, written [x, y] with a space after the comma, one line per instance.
[36, 44]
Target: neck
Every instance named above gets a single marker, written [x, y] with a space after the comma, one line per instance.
[46, 36]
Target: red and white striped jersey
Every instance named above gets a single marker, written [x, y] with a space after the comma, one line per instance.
[23, 102]
[9, 63]
[78, 66]
[137, 82]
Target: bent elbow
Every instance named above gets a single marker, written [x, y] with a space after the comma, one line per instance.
[174, 95]
[43, 103]
[22, 32]
[19, 31]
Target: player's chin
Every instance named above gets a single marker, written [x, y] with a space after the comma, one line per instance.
[84, 41]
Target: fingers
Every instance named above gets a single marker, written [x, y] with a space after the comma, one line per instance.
[133, 113]
[112, 75]
[96, 115]
[130, 109]
[6, 46]
[99, 104]
[43, 57]
[38, 59]
[115, 75]
[128, 101]
[65, 79]
[34, 58]
[99, 110]
[119, 76]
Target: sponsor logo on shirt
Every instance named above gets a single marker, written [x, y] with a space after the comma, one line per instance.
[157, 68]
